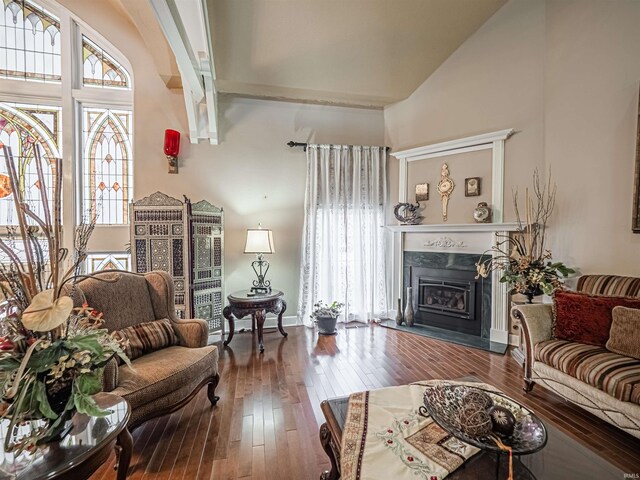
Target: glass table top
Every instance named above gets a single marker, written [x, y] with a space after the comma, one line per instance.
[87, 436]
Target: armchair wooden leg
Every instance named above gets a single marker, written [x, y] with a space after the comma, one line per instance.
[211, 390]
[528, 385]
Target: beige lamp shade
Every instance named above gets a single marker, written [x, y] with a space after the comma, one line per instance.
[259, 241]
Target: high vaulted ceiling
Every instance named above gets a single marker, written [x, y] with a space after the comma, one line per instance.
[360, 53]
[354, 52]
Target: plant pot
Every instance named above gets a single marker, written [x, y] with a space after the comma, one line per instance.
[327, 325]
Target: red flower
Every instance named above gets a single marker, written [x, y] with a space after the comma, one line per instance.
[389, 431]
[389, 442]
[406, 422]
[6, 344]
[410, 458]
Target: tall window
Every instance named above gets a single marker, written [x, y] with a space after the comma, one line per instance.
[30, 42]
[25, 128]
[72, 65]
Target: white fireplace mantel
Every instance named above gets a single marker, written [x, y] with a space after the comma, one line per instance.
[457, 228]
[463, 238]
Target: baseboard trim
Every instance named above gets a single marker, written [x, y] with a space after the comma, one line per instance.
[270, 322]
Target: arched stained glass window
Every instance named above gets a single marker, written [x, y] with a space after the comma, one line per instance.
[29, 42]
[25, 128]
[107, 164]
[108, 261]
[100, 69]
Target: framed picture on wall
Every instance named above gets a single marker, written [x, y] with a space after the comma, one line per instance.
[422, 192]
[472, 187]
[636, 191]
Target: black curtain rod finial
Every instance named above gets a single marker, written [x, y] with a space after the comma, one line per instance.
[292, 144]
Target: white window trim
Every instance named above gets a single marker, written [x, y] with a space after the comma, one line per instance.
[71, 95]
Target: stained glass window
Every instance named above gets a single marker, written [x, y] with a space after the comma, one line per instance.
[107, 164]
[25, 128]
[108, 261]
[29, 42]
[100, 69]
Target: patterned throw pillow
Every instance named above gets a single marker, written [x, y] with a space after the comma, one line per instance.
[624, 338]
[147, 337]
[583, 318]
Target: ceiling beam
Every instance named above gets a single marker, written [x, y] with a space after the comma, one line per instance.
[185, 24]
[171, 23]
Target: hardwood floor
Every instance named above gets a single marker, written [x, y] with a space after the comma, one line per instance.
[268, 417]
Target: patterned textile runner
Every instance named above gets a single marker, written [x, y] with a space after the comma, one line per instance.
[384, 437]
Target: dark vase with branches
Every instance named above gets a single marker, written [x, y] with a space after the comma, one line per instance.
[523, 257]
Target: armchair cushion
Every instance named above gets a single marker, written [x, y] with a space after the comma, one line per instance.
[624, 337]
[584, 318]
[192, 333]
[617, 375]
[164, 377]
[147, 337]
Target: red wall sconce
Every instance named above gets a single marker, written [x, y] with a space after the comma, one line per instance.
[172, 148]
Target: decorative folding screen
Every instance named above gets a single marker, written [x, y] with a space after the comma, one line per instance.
[185, 240]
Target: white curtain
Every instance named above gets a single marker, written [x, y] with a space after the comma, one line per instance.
[343, 242]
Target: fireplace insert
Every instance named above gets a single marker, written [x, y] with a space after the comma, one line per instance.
[449, 299]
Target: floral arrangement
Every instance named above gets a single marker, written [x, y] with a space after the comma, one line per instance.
[51, 354]
[523, 258]
[324, 310]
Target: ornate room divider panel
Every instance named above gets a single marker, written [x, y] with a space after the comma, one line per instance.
[186, 240]
[207, 242]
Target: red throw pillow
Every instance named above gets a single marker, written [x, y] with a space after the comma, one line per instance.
[584, 318]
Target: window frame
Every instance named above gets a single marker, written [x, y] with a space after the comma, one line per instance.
[72, 95]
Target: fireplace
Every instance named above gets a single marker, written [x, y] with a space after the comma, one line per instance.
[447, 298]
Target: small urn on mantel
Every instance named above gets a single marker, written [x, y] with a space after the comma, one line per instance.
[482, 213]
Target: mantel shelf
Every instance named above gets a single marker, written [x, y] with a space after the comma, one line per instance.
[455, 228]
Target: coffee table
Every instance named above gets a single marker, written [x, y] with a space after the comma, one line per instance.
[563, 458]
[80, 453]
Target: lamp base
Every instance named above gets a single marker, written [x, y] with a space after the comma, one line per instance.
[260, 290]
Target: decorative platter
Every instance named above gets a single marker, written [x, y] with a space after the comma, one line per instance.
[445, 403]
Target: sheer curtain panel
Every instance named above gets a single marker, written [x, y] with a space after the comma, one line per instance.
[343, 240]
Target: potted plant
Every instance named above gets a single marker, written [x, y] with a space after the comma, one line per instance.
[523, 258]
[326, 317]
[51, 354]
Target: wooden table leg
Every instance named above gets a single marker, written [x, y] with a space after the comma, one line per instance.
[325, 441]
[124, 446]
[260, 316]
[226, 313]
[284, 308]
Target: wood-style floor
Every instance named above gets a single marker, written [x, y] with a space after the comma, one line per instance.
[266, 423]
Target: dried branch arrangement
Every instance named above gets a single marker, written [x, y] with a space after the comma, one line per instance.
[51, 354]
[523, 258]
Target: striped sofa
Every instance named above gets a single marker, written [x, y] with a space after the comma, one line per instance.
[602, 382]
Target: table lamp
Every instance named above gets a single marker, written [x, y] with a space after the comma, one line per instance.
[260, 241]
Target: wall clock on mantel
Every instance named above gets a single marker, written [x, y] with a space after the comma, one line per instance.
[445, 188]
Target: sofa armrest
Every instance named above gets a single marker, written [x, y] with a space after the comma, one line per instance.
[537, 325]
[110, 375]
[193, 333]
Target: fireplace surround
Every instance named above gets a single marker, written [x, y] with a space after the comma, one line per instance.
[446, 294]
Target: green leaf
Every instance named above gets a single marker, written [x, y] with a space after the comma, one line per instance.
[88, 383]
[40, 393]
[86, 342]
[42, 360]
[9, 364]
[87, 405]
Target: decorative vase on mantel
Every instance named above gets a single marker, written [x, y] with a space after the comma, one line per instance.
[399, 317]
[408, 309]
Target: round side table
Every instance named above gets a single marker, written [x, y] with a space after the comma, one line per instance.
[243, 303]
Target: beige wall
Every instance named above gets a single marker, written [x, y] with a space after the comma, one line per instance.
[565, 75]
[253, 175]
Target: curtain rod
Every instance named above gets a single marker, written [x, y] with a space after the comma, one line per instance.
[304, 146]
